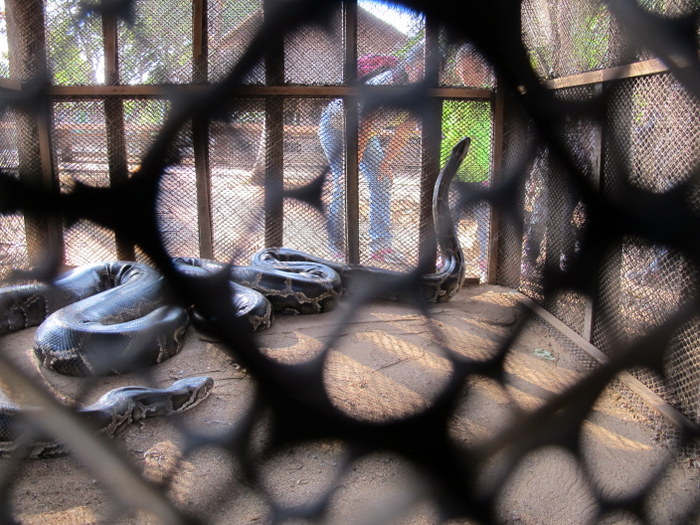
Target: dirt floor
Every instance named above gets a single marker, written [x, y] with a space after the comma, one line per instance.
[386, 365]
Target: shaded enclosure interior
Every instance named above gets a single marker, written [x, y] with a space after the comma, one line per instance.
[105, 85]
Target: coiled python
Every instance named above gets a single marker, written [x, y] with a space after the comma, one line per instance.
[115, 317]
[297, 282]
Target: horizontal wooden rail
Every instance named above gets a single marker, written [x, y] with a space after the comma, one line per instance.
[636, 69]
[261, 91]
[651, 398]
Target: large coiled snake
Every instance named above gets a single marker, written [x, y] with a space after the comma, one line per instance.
[116, 317]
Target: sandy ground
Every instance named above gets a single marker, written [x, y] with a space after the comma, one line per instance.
[386, 365]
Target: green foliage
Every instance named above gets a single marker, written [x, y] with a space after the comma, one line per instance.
[471, 119]
[158, 47]
[591, 39]
[74, 44]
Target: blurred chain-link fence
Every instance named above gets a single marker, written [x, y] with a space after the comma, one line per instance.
[261, 124]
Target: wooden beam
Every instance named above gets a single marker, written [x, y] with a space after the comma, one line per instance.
[636, 69]
[200, 132]
[257, 91]
[430, 146]
[634, 384]
[498, 111]
[274, 140]
[200, 48]
[114, 124]
[352, 193]
[10, 84]
[596, 174]
[27, 56]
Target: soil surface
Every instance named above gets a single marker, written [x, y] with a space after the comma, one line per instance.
[387, 364]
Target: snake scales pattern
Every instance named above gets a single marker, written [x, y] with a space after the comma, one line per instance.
[115, 317]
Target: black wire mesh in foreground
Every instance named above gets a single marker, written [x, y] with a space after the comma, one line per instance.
[592, 222]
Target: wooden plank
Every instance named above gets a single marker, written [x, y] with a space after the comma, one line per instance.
[163, 91]
[114, 124]
[634, 384]
[200, 132]
[199, 42]
[596, 169]
[110, 49]
[498, 108]
[200, 138]
[352, 178]
[274, 140]
[10, 84]
[636, 69]
[430, 147]
[27, 57]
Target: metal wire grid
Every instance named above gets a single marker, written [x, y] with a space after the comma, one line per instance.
[231, 25]
[157, 47]
[376, 36]
[306, 228]
[471, 119]
[81, 155]
[4, 58]
[558, 36]
[176, 207]
[238, 168]
[534, 233]
[13, 244]
[74, 45]
[464, 66]
[314, 55]
[389, 204]
[637, 256]
[80, 139]
[669, 8]
[566, 212]
[654, 130]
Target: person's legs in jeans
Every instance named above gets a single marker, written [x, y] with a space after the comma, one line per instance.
[332, 144]
[379, 198]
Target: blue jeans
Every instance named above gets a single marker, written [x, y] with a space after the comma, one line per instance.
[379, 190]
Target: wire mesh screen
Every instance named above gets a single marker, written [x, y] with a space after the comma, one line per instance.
[74, 45]
[81, 156]
[14, 244]
[388, 194]
[471, 119]
[306, 228]
[464, 66]
[4, 61]
[314, 55]
[156, 47]
[387, 29]
[485, 409]
[651, 131]
[231, 26]
[559, 37]
[238, 168]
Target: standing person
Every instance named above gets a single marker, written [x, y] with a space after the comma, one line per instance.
[376, 158]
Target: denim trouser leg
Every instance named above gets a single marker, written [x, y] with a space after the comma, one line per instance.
[379, 196]
[332, 144]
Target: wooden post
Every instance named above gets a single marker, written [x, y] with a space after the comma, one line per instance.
[114, 122]
[200, 132]
[352, 197]
[597, 170]
[431, 119]
[274, 141]
[27, 53]
[498, 105]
